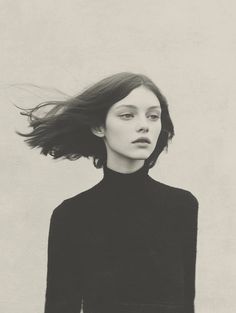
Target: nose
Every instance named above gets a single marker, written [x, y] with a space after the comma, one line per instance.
[142, 125]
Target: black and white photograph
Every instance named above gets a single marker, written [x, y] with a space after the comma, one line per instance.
[117, 180]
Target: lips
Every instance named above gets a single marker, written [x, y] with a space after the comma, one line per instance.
[143, 140]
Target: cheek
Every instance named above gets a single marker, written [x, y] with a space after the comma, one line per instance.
[118, 139]
[114, 129]
[156, 129]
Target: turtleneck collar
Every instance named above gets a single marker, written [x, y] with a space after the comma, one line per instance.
[125, 181]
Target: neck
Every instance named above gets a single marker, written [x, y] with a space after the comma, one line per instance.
[125, 182]
[125, 167]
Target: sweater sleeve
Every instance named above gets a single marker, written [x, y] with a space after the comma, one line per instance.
[190, 228]
[63, 291]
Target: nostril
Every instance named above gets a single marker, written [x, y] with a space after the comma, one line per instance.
[144, 128]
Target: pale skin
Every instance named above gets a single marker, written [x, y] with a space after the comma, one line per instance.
[137, 115]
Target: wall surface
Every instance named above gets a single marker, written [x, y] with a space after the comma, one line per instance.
[188, 48]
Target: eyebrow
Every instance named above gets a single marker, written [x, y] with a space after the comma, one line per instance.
[135, 107]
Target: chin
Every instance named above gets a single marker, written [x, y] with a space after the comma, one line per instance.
[140, 156]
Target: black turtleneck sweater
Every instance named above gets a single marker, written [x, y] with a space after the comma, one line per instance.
[127, 245]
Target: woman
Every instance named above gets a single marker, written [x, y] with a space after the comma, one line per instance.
[128, 244]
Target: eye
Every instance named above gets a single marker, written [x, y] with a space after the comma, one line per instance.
[154, 116]
[126, 115]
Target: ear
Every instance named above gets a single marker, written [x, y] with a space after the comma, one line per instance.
[98, 131]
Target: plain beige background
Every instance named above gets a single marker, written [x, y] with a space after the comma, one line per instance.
[188, 48]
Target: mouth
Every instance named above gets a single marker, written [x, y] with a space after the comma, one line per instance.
[142, 140]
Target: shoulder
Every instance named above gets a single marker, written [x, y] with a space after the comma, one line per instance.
[181, 197]
[76, 204]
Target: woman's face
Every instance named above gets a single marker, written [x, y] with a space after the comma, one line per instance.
[135, 116]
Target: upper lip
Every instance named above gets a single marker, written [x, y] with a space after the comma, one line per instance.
[142, 139]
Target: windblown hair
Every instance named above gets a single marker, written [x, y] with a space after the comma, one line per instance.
[65, 130]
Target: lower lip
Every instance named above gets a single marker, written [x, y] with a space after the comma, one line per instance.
[141, 143]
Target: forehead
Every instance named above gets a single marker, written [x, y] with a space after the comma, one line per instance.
[140, 97]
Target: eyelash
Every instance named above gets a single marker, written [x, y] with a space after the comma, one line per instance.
[129, 114]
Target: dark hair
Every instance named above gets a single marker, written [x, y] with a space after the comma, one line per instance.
[65, 130]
